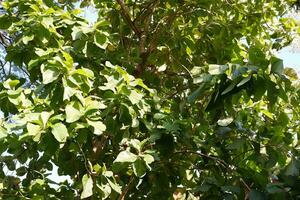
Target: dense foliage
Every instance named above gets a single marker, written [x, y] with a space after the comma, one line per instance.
[158, 99]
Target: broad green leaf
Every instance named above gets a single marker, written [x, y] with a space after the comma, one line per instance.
[87, 184]
[229, 88]
[196, 94]
[148, 158]
[135, 97]
[85, 72]
[27, 39]
[69, 60]
[60, 132]
[10, 84]
[217, 69]
[45, 117]
[256, 195]
[101, 40]
[73, 112]
[277, 65]
[136, 144]
[225, 121]
[268, 114]
[114, 186]
[126, 156]
[245, 80]
[3, 133]
[49, 74]
[139, 167]
[5, 22]
[293, 168]
[34, 130]
[98, 126]
[291, 73]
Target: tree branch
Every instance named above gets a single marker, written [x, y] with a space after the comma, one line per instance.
[127, 17]
[123, 194]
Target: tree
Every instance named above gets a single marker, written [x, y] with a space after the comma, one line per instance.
[156, 100]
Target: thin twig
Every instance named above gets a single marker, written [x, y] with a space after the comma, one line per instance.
[85, 160]
[123, 194]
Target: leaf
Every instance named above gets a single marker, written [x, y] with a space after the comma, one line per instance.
[277, 65]
[84, 72]
[114, 186]
[126, 156]
[135, 97]
[99, 127]
[45, 117]
[27, 39]
[196, 94]
[60, 132]
[69, 60]
[101, 40]
[3, 133]
[73, 113]
[217, 69]
[148, 158]
[5, 22]
[256, 195]
[34, 130]
[291, 73]
[292, 168]
[268, 114]
[229, 88]
[49, 74]
[225, 122]
[139, 167]
[136, 144]
[87, 184]
[245, 80]
[10, 84]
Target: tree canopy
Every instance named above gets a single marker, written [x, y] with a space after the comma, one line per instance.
[158, 99]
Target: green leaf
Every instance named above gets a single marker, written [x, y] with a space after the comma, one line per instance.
[139, 167]
[148, 158]
[85, 72]
[34, 130]
[135, 97]
[3, 133]
[114, 186]
[45, 117]
[267, 113]
[60, 132]
[69, 60]
[245, 80]
[10, 84]
[196, 94]
[277, 65]
[293, 168]
[99, 127]
[49, 74]
[5, 22]
[73, 112]
[126, 156]
[229, 88]
[225, 122]
[87, 184]
[217, 69]
[256, 195]
[27, 39]
[101, 40]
